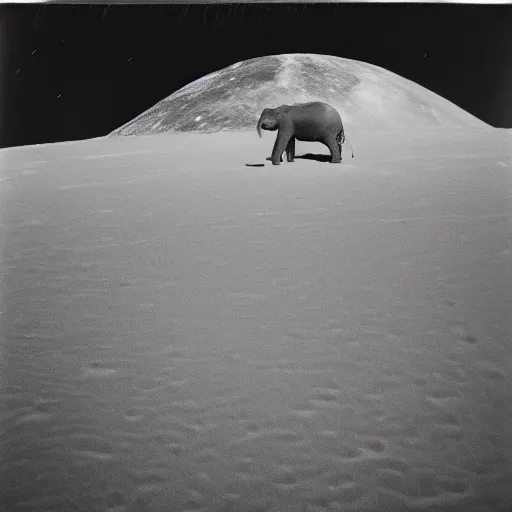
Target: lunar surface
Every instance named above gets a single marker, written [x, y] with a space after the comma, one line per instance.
[365, 95]
[183, 333]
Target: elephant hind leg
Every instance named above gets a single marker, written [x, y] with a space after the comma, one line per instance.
[334, 148]
[340, 139]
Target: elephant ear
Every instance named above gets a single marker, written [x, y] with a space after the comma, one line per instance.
[281, 111]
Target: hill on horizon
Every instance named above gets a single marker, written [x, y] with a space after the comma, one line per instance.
[232, 98]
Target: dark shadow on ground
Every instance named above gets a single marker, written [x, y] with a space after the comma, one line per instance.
[317, 157]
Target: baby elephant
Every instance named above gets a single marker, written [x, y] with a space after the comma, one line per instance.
[315, 121]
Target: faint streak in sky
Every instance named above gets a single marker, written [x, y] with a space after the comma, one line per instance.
[104, 12]
[182, 18]
[35, 21]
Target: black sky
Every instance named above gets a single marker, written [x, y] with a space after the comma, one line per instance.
[77, 71]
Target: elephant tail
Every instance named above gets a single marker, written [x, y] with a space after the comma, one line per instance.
[351, 149]
[341, 139]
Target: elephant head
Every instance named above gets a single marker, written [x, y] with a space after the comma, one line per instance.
[267, 121]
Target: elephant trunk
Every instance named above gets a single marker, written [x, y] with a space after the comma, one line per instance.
[258, 126]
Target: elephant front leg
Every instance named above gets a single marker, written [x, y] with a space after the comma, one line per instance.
[269, 158]
[290, 149]
[282, 139]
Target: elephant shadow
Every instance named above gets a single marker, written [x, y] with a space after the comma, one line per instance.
[315, 156]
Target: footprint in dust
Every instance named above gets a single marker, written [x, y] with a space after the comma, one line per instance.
[453, 375]
[242, 299]
[116, 500]
[208, 455]
[281, 435]
[304, 413]
[95, 455]
[334, 386]
[35, 417]
[452, 485]
[392, 464]
[151, 481]
[408, 485]
[251, 427]
[148, 385]
[194, 502]
[176, 448]
[461, 333]
[420, 381]
[285, 477]
[446, 433]
[339, 479]
[245, 465]
[177, 352]
[425, 483]
[100, 370]
[490, 372]
[324, 398]
[231, 497]
[346, 496]
[383, 386]
[447, 419]
[373, 446]
[330, 444]
[469, 339]
[133, 415]
[441, 395]
[393, 373]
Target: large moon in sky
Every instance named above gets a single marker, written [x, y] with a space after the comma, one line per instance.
[183, 333]
[233, 98]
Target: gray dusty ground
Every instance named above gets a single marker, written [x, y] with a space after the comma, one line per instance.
[184, 333]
